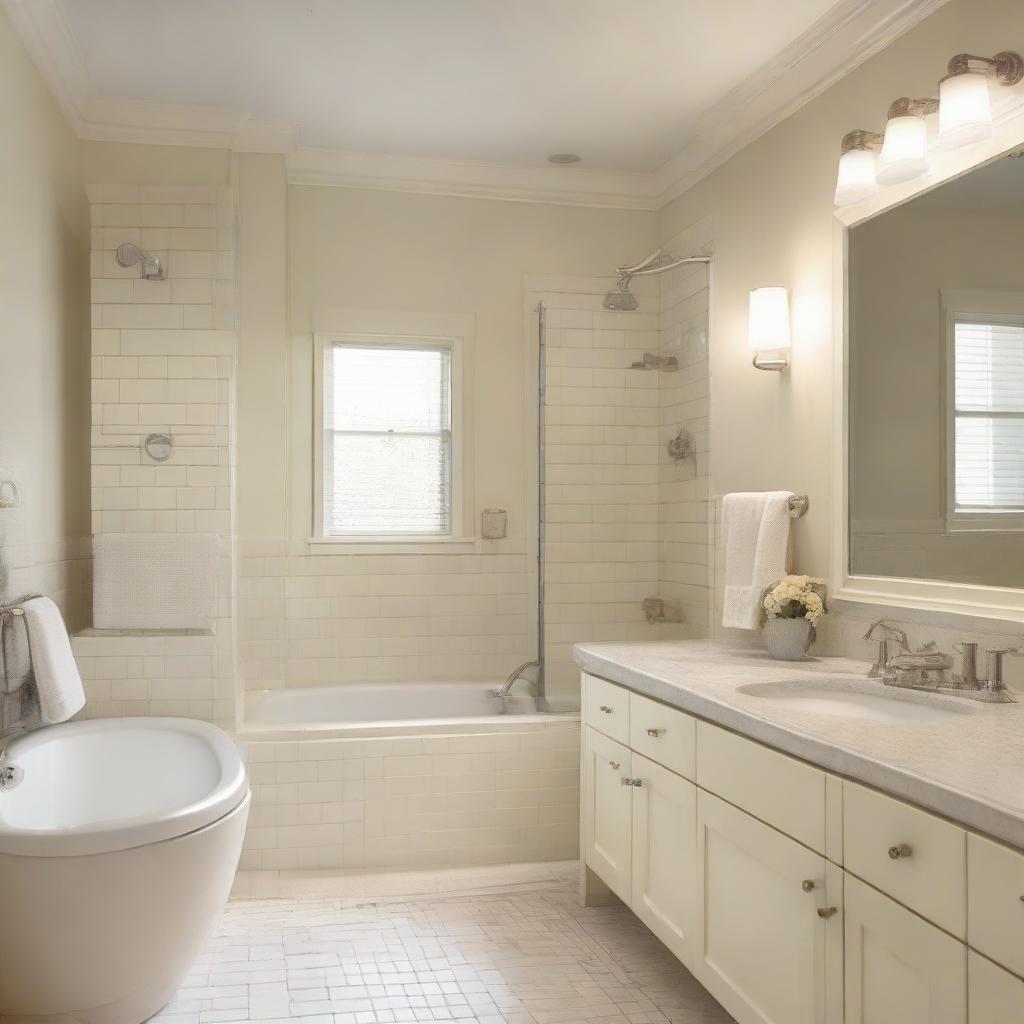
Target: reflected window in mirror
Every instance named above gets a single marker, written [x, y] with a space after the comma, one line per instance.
[936, 383]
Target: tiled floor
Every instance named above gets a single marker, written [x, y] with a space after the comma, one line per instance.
[507, 945]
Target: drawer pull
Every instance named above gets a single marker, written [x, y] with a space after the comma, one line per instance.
[808, 885]
[615, 765]
[607, 710]
[826, 912]
[633, 782]
[900, 852]
[655, 732]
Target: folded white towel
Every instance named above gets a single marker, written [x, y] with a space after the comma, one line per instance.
[756, 527]
[154, 580]
[53, 665]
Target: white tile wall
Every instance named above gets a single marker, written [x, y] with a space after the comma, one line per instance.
[507, 794]
[163, 361]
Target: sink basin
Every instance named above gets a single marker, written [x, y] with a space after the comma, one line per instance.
[864, 701]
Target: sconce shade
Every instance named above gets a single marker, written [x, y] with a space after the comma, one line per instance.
[904, 150]
[769, 319]
[856, 181]
[965, 111]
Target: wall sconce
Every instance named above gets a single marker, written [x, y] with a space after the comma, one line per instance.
[857, 167]
[904, 153]
[965, 112]
[768, 331]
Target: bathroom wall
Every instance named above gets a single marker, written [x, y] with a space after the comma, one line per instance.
[44, 341]
[311, 618]
[163, 360]
[772, 215]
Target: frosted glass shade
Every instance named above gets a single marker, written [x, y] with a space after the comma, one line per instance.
[769, 319]
[856, 181]
[965, 112]
[904, 150]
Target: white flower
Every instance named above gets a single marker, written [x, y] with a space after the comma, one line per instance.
[795, 596]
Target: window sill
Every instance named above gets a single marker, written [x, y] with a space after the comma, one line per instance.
[985, 522]
[394, 545]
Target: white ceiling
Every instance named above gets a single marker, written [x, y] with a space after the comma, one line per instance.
[505, 81]
[463, 97]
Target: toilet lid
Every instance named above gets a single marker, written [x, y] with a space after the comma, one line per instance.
[112, 784]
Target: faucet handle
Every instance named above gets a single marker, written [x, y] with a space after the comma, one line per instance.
[995, 688]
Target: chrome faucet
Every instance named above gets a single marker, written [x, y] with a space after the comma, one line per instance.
[506, 687]
[994, 690]
[10, 774]
[894, 633]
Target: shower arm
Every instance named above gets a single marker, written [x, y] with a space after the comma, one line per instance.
[651, 266]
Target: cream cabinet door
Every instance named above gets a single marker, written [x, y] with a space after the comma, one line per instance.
[664, 853]
[765, 952]
[899, 968]
[994, 996]
[606, 811]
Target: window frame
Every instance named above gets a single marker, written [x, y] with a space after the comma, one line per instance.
[976, 307]
[324, 342]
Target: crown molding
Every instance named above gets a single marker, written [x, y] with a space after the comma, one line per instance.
[851, 32]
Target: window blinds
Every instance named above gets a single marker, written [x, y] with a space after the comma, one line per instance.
[989, 416]
[387, 440]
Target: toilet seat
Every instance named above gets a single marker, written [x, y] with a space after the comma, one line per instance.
[112, 784]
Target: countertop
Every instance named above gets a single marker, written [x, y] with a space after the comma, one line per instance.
[968, 766]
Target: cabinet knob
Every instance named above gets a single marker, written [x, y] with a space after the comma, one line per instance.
[655, 732]
[616, 765]
[827, 912]
[900, 852]
[808, 885]
[607, 710]
[633, 782]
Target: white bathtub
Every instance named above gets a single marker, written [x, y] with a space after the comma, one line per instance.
[385, 709]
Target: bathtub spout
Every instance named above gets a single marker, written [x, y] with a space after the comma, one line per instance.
[506, 687]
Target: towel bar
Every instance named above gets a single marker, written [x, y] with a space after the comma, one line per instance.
[798, 505]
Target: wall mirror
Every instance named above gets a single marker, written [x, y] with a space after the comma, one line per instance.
[935, 384]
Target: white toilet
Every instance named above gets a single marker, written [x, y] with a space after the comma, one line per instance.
[119, 840]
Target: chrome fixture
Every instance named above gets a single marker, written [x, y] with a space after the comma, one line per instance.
[657, 611]
[798, 505]
[681, 446]
[965, 117]
[893, 632]
[968, 678]
[900, 852]
[651, 361]
[9, 494]
[128, 254]
[768, 332]
[656, 262]
[159, 447]
[11, 775]
[633, 782]
[506, 687]
[994, 690]
[927, 668]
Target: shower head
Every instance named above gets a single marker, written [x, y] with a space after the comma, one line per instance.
[128, 254]
[620, 297]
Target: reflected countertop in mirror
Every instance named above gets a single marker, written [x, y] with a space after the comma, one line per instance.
[936, 383]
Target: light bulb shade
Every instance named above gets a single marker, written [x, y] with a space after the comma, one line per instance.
[769, 319]
[904, 153]
[856, 181]
[965, 111]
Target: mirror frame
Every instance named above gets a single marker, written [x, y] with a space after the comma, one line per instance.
[1001, 604]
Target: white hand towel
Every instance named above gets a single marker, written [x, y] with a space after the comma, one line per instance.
[756, 526]
[53, 665]
[154, 580]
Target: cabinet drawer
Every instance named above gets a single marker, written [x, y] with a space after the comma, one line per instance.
[993, 995]
[606, 708]
[663, 734]
[995, 902]
[779, 790]
[915, 857]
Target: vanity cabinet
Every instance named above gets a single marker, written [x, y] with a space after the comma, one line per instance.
[793, 895]
[767, 907]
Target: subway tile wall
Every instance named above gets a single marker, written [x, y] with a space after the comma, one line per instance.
[163, 361]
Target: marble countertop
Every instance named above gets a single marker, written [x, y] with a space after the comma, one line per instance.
[967, 766]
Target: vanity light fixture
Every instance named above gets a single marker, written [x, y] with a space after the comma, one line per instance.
[768, 331]
[904, 153]
[857, 167]
[965, 111]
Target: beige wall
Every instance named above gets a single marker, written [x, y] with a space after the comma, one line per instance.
[44, 379]
[772, 214]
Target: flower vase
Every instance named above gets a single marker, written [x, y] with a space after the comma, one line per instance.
[789, 639]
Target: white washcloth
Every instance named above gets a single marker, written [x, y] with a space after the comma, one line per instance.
[756, 526]
[53, 665]
[154, 580]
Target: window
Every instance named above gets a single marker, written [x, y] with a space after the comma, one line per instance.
[986, 471]
[387, 456]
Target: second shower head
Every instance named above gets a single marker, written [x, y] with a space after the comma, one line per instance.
[128, 254]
